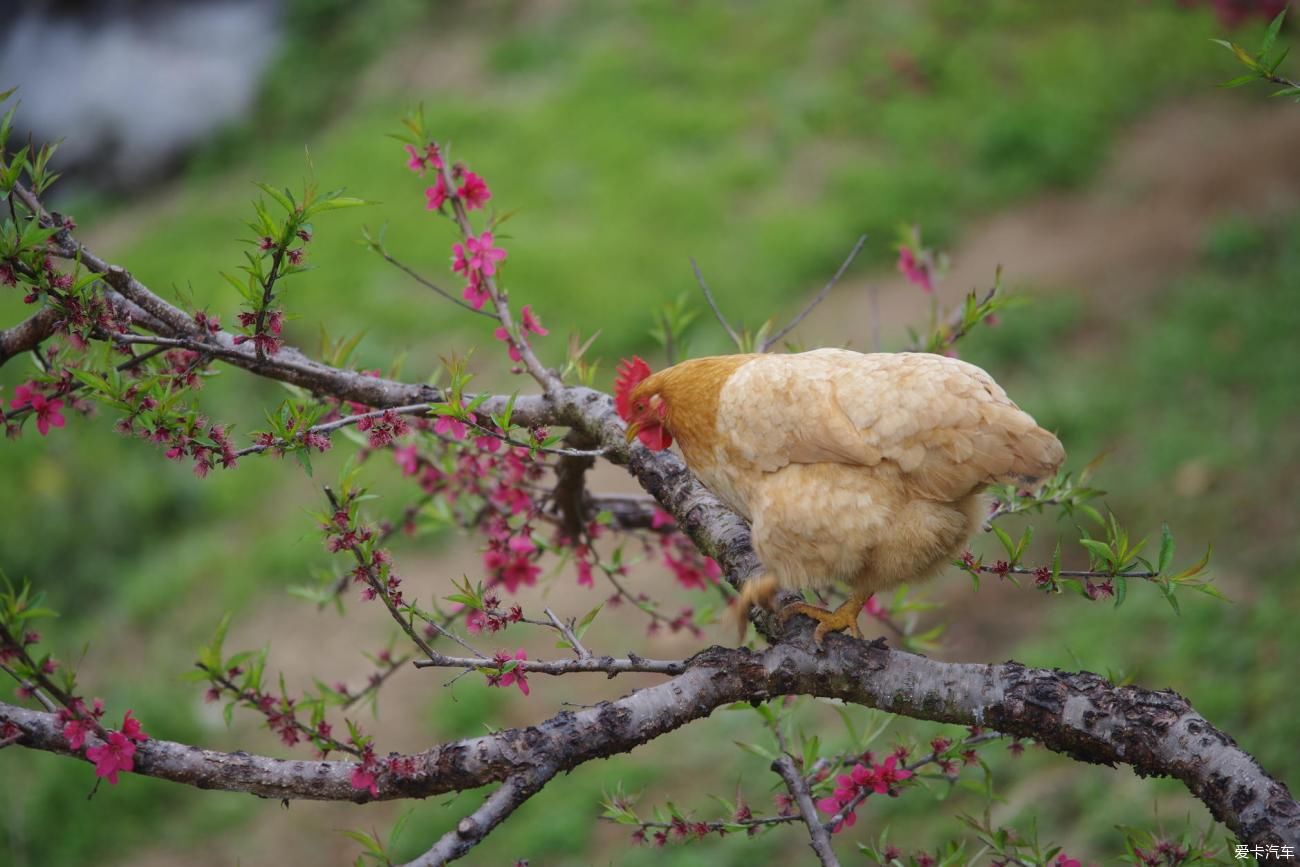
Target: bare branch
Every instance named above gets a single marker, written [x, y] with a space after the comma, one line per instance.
[819, 837]
[471, 830]
[569, 635]
[586, 662]
[820, 296]
[708, 296]
[429, 284]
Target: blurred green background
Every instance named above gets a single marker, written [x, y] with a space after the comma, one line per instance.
[1150, 222]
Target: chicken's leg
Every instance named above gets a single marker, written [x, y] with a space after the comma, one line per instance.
[842, 619]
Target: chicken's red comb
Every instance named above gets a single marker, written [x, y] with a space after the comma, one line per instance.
[629, 374]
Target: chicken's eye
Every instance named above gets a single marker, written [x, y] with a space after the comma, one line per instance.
[640, 405]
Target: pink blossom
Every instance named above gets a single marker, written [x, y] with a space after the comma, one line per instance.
[433, 156]
[503, 334]
[408, 458]
[114, 755]
[473, 191]
[449, 425]
[915, 270]
[131, 728]
[436, 194]
[516, 676]
[459, 263]
[873, 606]
[531, 322]
[416, 162]
[1063, 861]
[521, 544]
[47, 413]
[23, 395]
[75, 730]
[519, 570]
[484, 254]
[363, 777]
[475, 292]
[585, 578]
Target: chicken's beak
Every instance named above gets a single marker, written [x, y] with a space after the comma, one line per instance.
[633, 429]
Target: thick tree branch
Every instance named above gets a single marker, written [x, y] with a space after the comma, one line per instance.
[28, 334]
[1077, 714]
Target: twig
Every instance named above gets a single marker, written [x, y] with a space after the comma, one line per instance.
[569, 635]
[442, 629]
[471, 830]
[873, 299]
[708, 296]
[326, 427]
[545, 378]
[380, 590]
[794, 323]
[429, 284]
[590, 663]
[37, 692]
[819, 838]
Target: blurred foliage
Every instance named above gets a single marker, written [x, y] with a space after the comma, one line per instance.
[761, 138]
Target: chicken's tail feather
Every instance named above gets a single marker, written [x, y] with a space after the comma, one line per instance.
[757, 590]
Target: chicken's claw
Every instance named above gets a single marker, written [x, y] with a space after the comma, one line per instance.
[842, 619]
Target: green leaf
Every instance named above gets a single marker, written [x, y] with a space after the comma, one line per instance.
[280, 197]
[1005, 539]
[303, 455]
[587, 619]
[1166, 549]
[1270, 35]
[1100, 550]
[1241, 79]
[755, 749]
[1121, 590]
[340, 202]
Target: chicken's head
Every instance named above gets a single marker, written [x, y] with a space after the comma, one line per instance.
[643, 409]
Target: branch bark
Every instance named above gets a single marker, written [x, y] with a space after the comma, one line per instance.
[818, 837]
[1157, 733]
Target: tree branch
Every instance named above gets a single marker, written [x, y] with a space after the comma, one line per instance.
[1077, 714]
[708, 296]
[471, 830]
[819, 837]
[28, 334]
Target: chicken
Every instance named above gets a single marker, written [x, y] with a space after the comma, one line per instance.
[865, 469]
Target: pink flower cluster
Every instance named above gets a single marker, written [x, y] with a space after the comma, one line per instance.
[46, 410]
[693, 570]
[916, 268]
[383, 429]
[116, 752]
[515, 677]
[865, 779]
[267, 340]
[476, 260]
[511, 555]
[491, 617]
[528, 322]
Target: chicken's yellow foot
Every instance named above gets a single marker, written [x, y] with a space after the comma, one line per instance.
[842, 619]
